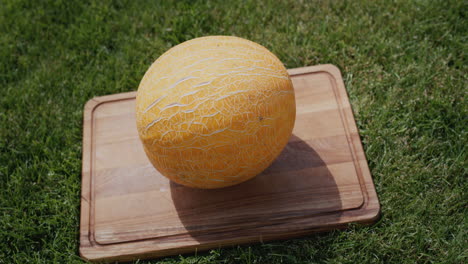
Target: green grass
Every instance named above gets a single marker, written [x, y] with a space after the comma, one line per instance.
[405, 68]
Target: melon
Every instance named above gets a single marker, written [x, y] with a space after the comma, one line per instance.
[215, 111]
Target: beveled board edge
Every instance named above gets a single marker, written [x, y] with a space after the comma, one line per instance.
[368, 213]
[371, 200]
[86, 216]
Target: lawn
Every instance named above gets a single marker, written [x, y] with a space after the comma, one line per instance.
[405, 68]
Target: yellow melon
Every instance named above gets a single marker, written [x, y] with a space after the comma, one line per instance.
[215, 111]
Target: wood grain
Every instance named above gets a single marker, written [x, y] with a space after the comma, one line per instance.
[321, 181]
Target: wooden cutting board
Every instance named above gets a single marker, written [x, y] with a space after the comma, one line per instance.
[321, 181]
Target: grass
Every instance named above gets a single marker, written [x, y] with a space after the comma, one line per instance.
[405, 68]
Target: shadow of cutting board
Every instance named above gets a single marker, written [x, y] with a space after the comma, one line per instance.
[321, 181]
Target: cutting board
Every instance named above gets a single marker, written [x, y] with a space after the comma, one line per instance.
[321, 181]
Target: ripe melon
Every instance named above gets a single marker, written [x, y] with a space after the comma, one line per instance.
[215, 111]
